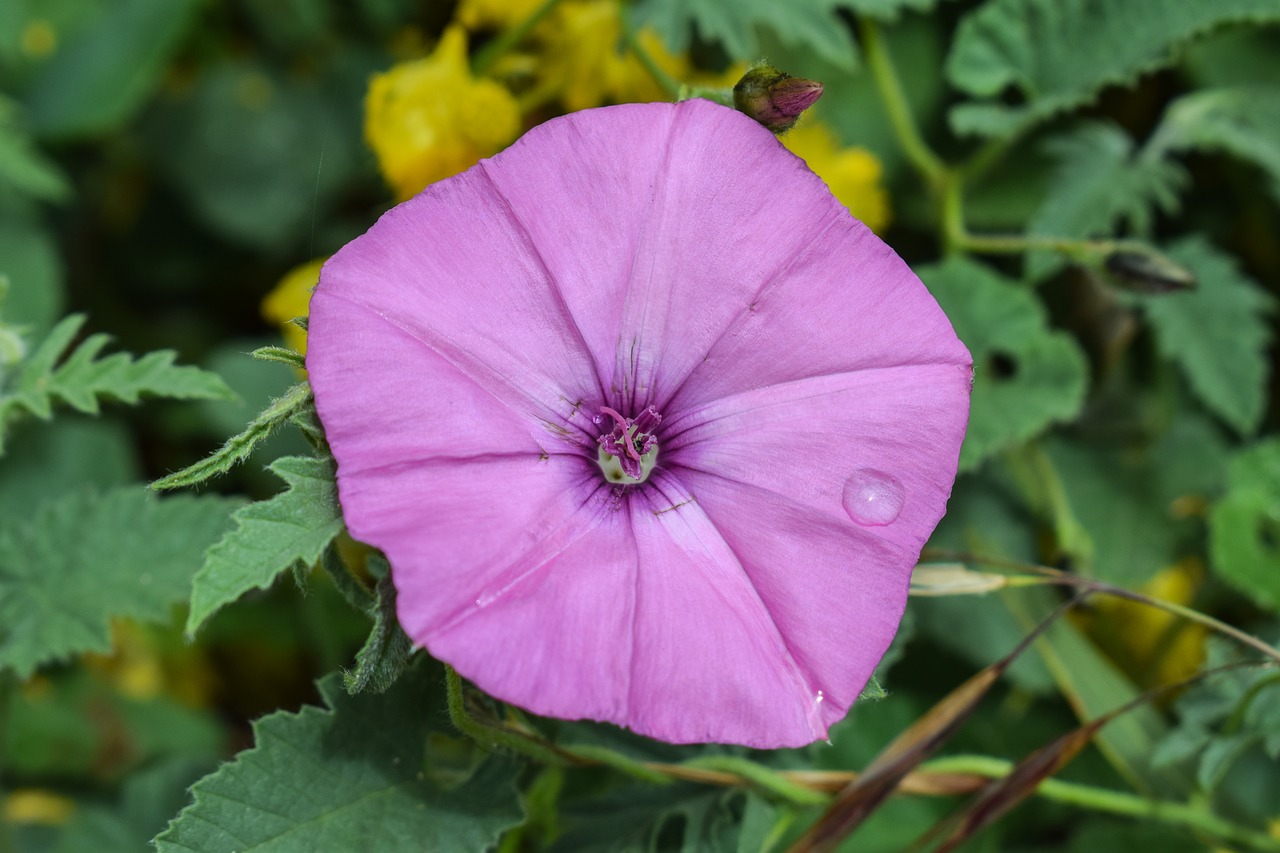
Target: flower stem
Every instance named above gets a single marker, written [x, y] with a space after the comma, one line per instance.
[656, 71]
[1112, 802]
[492, 733]
[507, 39]
[904, 127]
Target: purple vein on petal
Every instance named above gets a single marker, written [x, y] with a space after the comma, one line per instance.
[736, 320]
[802, 679]
[484, 377]
[625, 377]
[553, 284]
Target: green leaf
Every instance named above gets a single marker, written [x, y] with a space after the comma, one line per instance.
[1242, 122]
[104, 73]
[1217, 334]
[238, 447]
[1100, 186]
[147, 800]
[1026, 376]
[386, 653]
[30, 258]
[350, 776]
[87, 558]
[270, 537]
[1244, 527]
[50, 460]
[1057, 54]
[257, 154]
[811, 23]
[82, 378]
[1123, 494]
[23, 168]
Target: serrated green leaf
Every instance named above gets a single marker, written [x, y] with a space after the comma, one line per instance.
[1242, 122]
[1099, 186]
[1057, 54]
[1217, 334]
[97, 80]
[270, 537]
[83, 378]
[1244, 527]
[87, 558]
[811, 23]
[360, 765]
[386, 653]
[1026, 376]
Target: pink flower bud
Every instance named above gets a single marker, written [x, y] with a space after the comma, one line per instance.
[774, 98]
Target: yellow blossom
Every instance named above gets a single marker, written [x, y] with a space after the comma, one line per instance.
[586, 60]
[36, 806]
[1155, 646]
[853, 174]
[430, 118]
[291, 298]
[494, 14]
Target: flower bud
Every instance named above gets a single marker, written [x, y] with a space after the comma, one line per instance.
[774, 98]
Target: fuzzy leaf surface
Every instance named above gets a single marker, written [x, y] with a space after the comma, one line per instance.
[1057, 54]
[87, 558]
[1026, 376]
[349, 776]
[270, 537]
[810, 23]
[1217, 334]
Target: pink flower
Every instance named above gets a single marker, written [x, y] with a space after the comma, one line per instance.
[650, 429]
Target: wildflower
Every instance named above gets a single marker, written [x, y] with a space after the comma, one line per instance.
[289, 301]
[429, 119]
[585, 60]
[853, 174]
[649, 428]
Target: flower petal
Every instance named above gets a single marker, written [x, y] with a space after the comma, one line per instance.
[454, 270]
[845, 304]
[656, 627]
[707, 224]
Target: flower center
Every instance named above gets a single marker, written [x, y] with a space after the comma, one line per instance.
[628, 452]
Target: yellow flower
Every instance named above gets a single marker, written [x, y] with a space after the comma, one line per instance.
[291, 298]
[429, 118]
[494, 14]
[1154, 646]
[585, 59]
[853, 174]
[36, 806]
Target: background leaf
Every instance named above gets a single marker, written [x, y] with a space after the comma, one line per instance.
[1244, 527]
[1026, 376]
[1243, 122]
[89, 557]
[812, 24]
[97, 80]
[1217, 333]
[360, 762]
[1098, 187]
[1057, 54]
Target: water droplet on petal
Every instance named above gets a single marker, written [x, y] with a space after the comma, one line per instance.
[873, 498]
